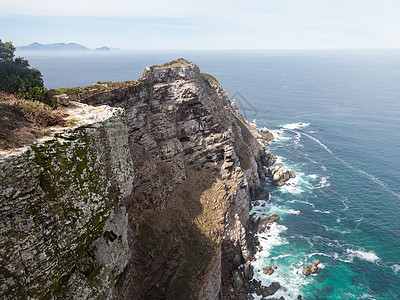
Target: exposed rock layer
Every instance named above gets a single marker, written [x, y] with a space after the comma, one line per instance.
[75, 219]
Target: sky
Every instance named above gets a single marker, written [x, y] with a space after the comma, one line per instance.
[206, 24]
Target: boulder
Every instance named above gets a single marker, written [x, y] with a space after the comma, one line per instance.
[280, 174]
[61, 100]
[268, 270]
[268, 291]
[262, 222]
[311, 269]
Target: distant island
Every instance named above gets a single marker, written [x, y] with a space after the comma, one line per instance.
[54, 46]
[104, 48]
[58, 46]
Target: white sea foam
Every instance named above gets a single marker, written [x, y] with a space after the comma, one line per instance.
[319, 253]
[370, 176]
[278, 159]
[313, 176]
[344, 201]
[365, 255]
[292, 126]
[396, 268]
[300, 201]
[295, 185]
[289, 276]
[279, 135]
[322, 211]
[321, 184]
[322, 145]
[367, 296]
[271, 208]
[306, 157]
[271, 239]
[379, 182]
[336, 230]
[292, 189]
[296, 140]
[280, 256]
[306, 238]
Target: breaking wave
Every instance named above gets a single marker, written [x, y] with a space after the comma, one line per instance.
[292, 126]
[361, 254]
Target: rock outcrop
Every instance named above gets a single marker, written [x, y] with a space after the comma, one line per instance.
[280, 174]
[260, 223]
[311, 269]
[63, 226]
[148, 198]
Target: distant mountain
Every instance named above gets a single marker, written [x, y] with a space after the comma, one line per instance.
[103, 48]
[54, 46]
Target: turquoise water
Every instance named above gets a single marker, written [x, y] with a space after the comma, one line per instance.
[343, 206]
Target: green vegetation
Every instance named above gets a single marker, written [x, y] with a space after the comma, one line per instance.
[196, 255]
[85, 94]
[39, 113]
[16, 77]
[208, 78]
[72, 122]
[245, 131]
[174, 63]
[22, 121]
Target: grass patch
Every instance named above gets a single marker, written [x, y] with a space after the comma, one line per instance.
[243, 127]
[208, 78]
[197, 252]
[85, 93]
[22, 121]
[174, 63]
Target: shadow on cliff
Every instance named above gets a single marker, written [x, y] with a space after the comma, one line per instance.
[174, 250]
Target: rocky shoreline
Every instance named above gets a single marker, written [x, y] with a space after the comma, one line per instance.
[244, 284]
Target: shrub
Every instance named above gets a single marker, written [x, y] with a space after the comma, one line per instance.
[16, 77]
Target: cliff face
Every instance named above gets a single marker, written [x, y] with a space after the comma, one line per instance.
[63, 228]
[76, 220]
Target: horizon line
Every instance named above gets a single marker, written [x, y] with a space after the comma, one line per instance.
[201, 49]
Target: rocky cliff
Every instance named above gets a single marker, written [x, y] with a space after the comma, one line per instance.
[63, 226]
[147, 197]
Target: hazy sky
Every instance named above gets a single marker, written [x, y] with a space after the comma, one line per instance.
[205, 24]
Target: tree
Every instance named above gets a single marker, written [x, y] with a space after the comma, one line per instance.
[6, 50]
[16, 76]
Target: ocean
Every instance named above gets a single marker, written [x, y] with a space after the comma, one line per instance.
[336, 117]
